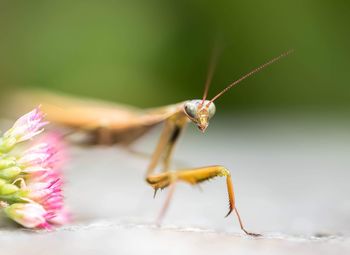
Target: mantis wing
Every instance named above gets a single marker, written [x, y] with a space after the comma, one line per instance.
[115, 122]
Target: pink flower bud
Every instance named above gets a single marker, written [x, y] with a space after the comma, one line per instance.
[26, 126]
[42, 192]
[38, 155]
[30, 215]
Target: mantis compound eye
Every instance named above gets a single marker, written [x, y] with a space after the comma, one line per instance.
[191, 108]
[211, 110]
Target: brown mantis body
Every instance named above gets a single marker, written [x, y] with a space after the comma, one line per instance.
[108, 124]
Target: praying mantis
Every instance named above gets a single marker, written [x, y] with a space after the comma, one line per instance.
[110, 123]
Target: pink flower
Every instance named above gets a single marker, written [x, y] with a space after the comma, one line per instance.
[44, 178]
[30, 215]
[48, 194]
[39, 175]
[49, 152]
[27, 126]
[34, 176]
[57, 150]
[46, 199]
[38, 157]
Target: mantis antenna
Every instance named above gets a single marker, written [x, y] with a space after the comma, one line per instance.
[211, 69]
[284, 54]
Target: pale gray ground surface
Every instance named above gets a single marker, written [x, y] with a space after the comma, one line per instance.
[291, 180]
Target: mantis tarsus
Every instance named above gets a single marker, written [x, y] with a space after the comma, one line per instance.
[110, 123]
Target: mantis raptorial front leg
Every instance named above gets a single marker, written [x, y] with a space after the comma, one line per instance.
[173, 127]
[193, 176]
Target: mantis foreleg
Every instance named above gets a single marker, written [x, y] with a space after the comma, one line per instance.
[194, 176]
[172, 129]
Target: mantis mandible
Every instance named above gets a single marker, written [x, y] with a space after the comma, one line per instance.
[110, 123]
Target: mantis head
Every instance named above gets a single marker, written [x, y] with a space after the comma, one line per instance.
[200, 112]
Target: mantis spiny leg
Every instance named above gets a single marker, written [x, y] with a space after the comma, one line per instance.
[194, 176]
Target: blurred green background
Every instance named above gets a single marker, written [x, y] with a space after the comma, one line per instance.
[154, 52]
